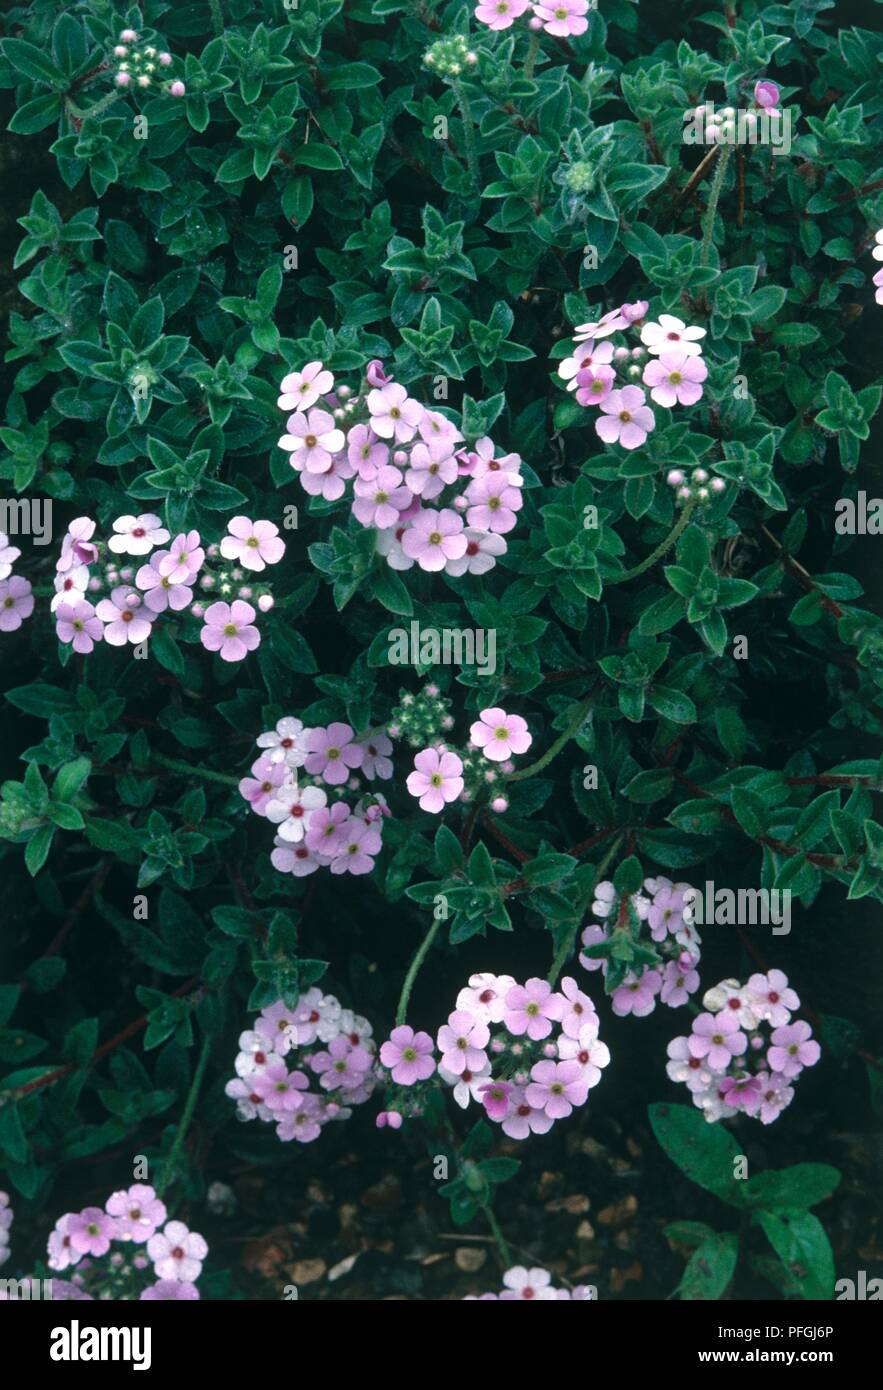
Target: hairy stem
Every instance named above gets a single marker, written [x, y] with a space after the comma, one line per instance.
[176, 765]
[414, 969]
[576, 720]
[498, 1237]
[468, 134]
[713, 198]
[181, 1133]
[532, 55]
[661, 549]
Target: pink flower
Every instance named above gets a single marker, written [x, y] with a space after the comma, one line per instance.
[633, 313]
[137, 535]
[556, 1087]
[437, 779]
[61, 1252]
[169, 1291]
[331, 752]
[330, 485]
[877, 280]
[393, 414]
[675, 377]
[608, 323]
[771, 998]
[741, 1093]
[292, 809]
[136, 1212]
[311, 440]
[499, 14]
[122, 623]
[462, 1041]
[636, 995]
[679, 981]
[381, 499]
[672, 332]
[435, 537]
[523, 1118]
[177, 1253]
[8, 555]
[228, 630]
[294, 859]
[76, 548]
[342, 1066]
[161, 592]
[496, 1097]
[579, 1009]
[277, 1087]
[359, 842]
[717, 1038]
[793, 1049]
[484, 996]
[439, 432]
[684, 1067]
[586, 355]
[766, 94]
[76, 623]
[285, 742]
[531, 1008]
[775, 1096]
[375, 375]
[428, 474]
[408, 1055]
[593, 936]
[16, 602]
[482, 549]
[375, 757]
[91, 1231]
[586, 1050]
[184, 559]
[524, 1283]
[266, 777]
[493, 502]
[594, 384]
[327, 827]
[563, 17]
[254, 544]
[365, 451]
[499, 734]
[302, 389]
[626, 419]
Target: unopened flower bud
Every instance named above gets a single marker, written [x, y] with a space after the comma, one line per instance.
[265, 602]
[674, 477]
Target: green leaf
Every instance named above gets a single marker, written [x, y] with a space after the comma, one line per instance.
[800, 1242]
[705, 1152]
[37, 849]
[802, 1185]
[710, 1268]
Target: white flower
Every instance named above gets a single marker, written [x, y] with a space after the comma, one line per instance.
[467, 1086]
[877, 251]
[482, 548]
[484, 997]
[672, 332]
[285, 742]
[292, 809]
[177, 1253]
[137, 535]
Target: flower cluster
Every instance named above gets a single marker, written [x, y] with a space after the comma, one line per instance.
[136, 1216]
[16, 599]
[523, 1076]
[562, 18]
[161, 580]
[5, 1223]
[272, 1083]
[728, 1062]
[450, 57]
[533, 1285]
[877, 253]
[723, 127]
[671, 971]
[668, 360]
[419, 719]
[431, 502]
[699, 488]
[141, 65]
[441, 775]
[312, 832]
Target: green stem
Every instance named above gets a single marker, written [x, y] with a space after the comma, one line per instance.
[217, 17]
[468, 133]
[532, 54]
[660, 550]
[414, 969]
[569, 941]
[189, 1106]
[498, 1237]
[576, 720]
[107, 100]
[176, 765]
[713, 197]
